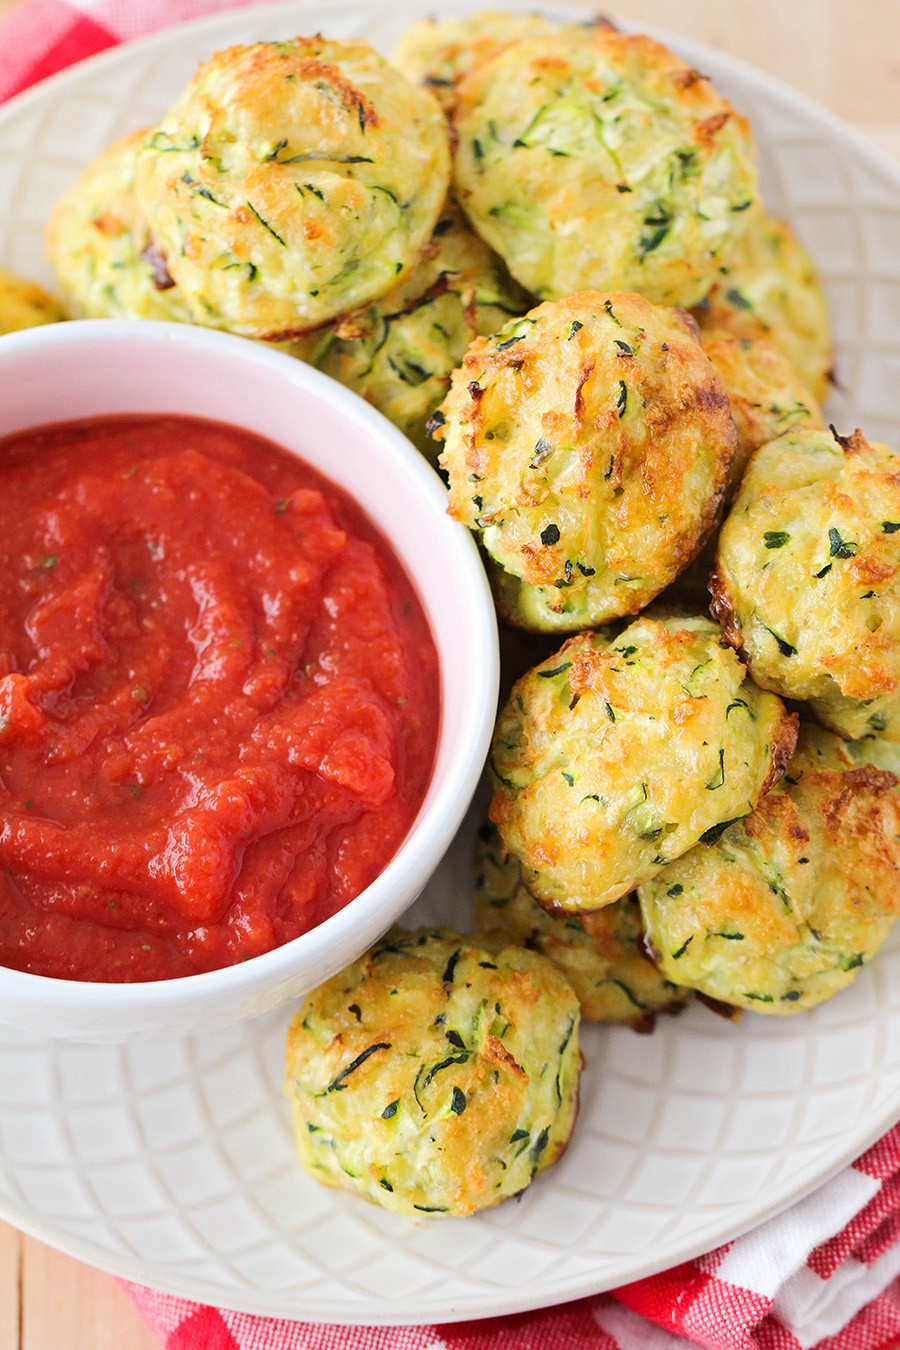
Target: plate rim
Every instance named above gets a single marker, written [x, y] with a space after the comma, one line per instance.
[511, 1301]
[273, 10]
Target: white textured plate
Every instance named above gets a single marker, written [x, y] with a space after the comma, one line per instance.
[172, 1163]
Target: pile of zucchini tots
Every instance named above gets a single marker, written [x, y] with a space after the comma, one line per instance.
[540, 250]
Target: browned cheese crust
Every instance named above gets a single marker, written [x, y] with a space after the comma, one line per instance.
[767, 396]
[292, 182]
[806, 583]
[786, 905]
[613, 758]
[602, 160]
[768, 288]
[590, 443]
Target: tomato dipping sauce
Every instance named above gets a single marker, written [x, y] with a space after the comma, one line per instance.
[219, 698]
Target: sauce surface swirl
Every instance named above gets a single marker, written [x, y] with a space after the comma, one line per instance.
[219, 698]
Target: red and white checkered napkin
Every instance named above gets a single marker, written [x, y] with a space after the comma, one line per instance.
[823, 1274]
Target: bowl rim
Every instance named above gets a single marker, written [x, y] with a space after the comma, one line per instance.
[442, 807]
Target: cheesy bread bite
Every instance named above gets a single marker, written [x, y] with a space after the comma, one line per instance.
[615, 757]
[106, 263]
[438, 1074]
[438, 53]
[589, 444]
[768, 287]
[783, 908]
[400, 351]
[807, 577]
[600, 159]
[599, 954]
[766, 396]
[292, 182]
[24, 304]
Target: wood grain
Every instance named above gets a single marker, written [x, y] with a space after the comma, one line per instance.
[846, 56]
[65, 1303]
[10, 1274]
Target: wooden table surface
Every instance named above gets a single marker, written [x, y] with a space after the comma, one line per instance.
[845, 55]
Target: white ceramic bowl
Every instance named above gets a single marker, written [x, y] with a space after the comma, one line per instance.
[92, 368]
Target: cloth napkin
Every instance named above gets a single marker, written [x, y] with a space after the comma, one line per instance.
[823, 1274]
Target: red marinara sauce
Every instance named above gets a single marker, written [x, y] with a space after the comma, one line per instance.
[219, 698]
